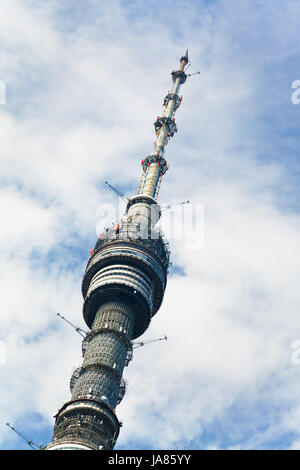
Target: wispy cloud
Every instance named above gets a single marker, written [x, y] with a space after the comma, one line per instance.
[84, 83]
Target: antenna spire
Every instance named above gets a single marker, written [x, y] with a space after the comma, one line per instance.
[154, 165]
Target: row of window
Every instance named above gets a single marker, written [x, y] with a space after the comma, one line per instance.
[135, 284]
[102, 345]
[120, 273]
[85, 422]
[120, 267]
[138, 255]
[89, 405]
[112, 322]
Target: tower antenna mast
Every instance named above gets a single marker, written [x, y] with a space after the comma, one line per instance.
[123, 288]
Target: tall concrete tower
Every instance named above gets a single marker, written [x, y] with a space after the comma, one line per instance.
[123, 287]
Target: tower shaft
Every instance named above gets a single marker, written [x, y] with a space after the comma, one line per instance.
[122, 287]
[154, 166]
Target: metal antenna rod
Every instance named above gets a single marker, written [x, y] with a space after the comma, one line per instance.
[170, 206]
[29, 441]
[116, 191]
[76, 328]
[142, 343]
[195, 73]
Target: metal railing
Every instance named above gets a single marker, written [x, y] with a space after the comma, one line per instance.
[140, 234]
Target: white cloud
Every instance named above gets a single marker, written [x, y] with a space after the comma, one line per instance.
[82, 93]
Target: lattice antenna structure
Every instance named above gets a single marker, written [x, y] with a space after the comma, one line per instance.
[170, 206]
[123, 288]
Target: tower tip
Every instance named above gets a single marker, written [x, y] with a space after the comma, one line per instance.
[185, 57]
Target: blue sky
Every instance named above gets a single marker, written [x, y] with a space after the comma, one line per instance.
[84, 84]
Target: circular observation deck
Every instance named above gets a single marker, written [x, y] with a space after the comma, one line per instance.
[128, 267]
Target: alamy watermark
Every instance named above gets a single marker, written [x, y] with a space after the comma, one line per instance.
[2, 92]
[185, 223]
[182, 223]
[295, 98]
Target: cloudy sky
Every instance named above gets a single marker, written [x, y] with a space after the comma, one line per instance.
[81, 85]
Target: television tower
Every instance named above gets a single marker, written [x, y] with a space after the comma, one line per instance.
[123, 287]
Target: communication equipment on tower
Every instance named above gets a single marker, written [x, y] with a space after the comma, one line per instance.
[195, 73]
[170, 206]
[29, 441]
[142, 343]
[86, 337]
[116, 191]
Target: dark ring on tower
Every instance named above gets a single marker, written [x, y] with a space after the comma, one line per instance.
[119, 257]
[177, 73]
[123, 294]
[156, 265]
[131, 253]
